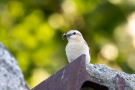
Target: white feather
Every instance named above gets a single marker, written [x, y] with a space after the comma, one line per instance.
[76, 46]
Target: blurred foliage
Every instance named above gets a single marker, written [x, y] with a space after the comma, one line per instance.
[32, 30]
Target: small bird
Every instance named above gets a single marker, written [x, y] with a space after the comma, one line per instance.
[76, 46]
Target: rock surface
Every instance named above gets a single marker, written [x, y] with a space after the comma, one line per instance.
[11, 77]
[113, 79]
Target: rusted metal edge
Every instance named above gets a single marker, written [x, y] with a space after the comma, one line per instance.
[72, 77]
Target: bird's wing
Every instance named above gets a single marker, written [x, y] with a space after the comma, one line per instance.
[87, 45]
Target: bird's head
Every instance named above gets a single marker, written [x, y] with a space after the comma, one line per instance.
[73, 36]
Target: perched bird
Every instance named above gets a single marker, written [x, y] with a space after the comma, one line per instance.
[76, 46]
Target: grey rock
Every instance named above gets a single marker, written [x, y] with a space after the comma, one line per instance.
[11, 77]
[113, 79]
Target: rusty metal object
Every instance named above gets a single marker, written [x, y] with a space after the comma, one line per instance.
[72, 77]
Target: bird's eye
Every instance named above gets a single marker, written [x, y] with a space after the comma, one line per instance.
[74, 33]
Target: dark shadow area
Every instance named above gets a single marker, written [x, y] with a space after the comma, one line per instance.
[93, 86]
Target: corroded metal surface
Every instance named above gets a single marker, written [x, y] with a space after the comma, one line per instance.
[72, 77]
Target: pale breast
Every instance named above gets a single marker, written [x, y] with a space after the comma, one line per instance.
[74, 50]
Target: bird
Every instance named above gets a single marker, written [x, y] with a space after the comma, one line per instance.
[76, 46]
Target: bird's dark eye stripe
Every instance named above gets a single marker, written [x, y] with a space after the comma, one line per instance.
[74, 33]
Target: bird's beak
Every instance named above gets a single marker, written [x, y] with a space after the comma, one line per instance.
[66, 35]
[63, 36]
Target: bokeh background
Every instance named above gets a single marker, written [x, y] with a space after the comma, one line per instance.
[32, 31]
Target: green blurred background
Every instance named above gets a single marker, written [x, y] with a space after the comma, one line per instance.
[32, 31]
